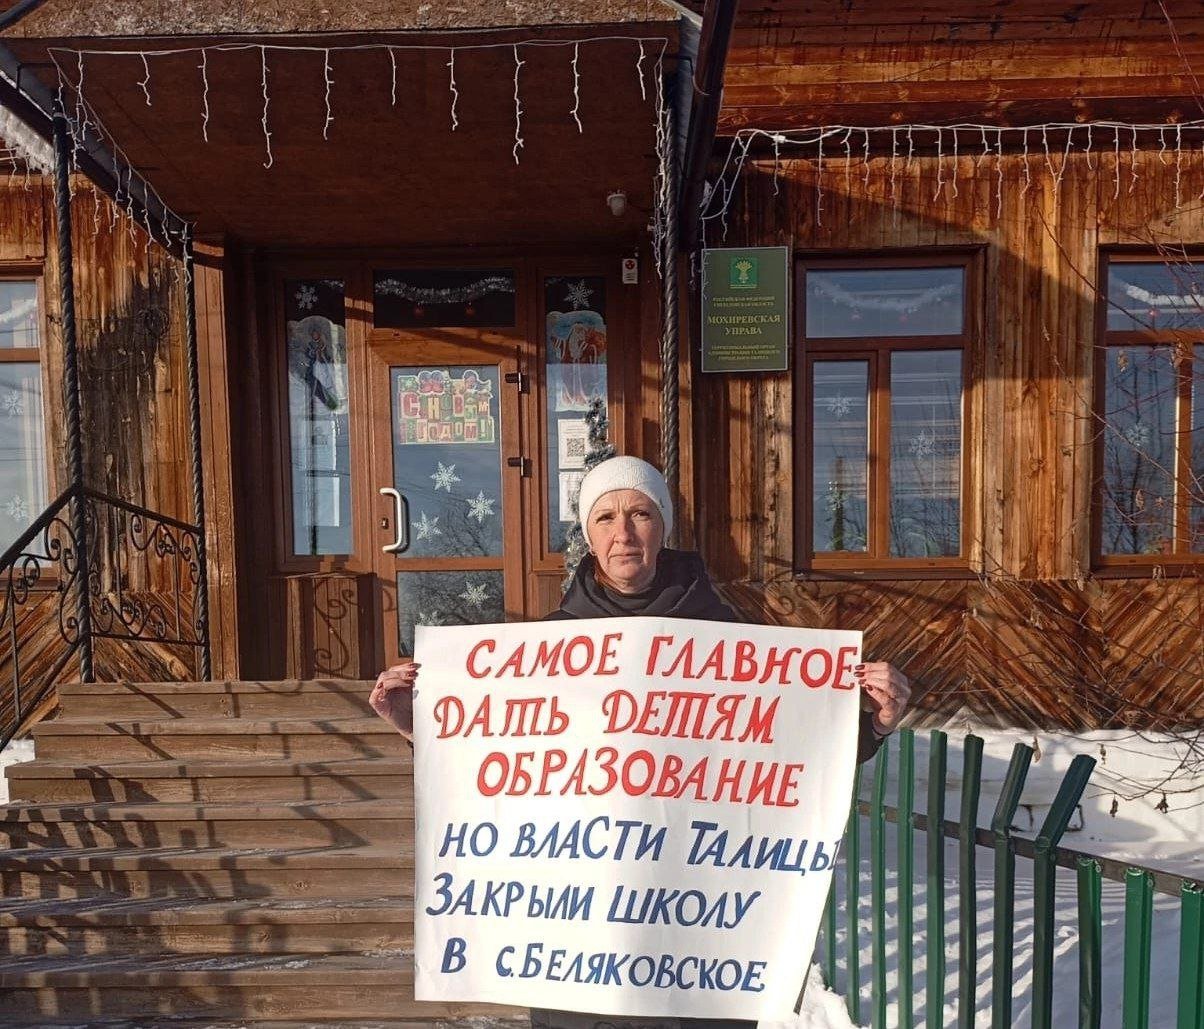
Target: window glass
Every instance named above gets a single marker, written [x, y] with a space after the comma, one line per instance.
[22, 449]
[447, 598]
[839, 463]
[447, 458]
[319, 423]
[884, 302]
[925, 453]
[574, 373]
[1195, 485]
[1153, 295]
[18, 314]
[1140, 400]
[444, 298]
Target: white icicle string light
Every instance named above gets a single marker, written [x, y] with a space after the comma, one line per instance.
[576, 112]
[720, 195]
[328, 83]
[392, 78]
[848, 160]
[940, 159]
[865, 160]
[1178, 166]
[953, 183]
[145, 83]
[639, 73]
[455, 92]
[518, 106]
[267, 133]
[1133, 163]
[819, 181]
[204, 66]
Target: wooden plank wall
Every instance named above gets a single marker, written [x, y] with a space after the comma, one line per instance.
[1029, 636]
[129, 318]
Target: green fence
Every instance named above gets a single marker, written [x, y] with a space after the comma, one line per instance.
[1005, 848]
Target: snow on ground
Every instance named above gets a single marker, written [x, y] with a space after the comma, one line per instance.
[16, 752]
[821, 1008]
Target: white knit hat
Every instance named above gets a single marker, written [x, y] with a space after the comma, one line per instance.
[625, 473]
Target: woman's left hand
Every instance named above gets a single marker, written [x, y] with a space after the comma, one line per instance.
[885, 691]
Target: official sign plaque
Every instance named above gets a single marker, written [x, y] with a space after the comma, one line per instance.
[745, 309]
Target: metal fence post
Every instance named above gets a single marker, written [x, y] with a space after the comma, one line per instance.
[1044, 872]
[1191, 957]
[1003, 932]
[934, 994]
[1090, 978]
[878, 884]
[967, 937]
[852, 874]
[1139, 924]
[907, 803]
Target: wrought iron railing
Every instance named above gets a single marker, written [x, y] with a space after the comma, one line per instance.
[140, 582]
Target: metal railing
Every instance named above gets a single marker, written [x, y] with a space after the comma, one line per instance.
[1046, 855]
[138, 579]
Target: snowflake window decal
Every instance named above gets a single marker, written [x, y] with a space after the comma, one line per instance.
[578, 294]
[16, 508]
[306, 297]
[1138, 435]
[428, 528]
[14, 404]
[475, 593]
[839, 406]
[445, 477]
[923, 444]
[480, 507]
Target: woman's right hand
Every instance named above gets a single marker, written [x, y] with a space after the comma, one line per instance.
[393, 697]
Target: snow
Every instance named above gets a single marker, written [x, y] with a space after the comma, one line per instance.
[821, 1008]
[16, 752]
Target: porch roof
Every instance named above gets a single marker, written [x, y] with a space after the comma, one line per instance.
[362, 155]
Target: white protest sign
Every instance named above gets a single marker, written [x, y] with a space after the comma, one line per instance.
[633, 816]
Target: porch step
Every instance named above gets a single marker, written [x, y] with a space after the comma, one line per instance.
[332, 872]
[211, 781]
[340, 987]
[93, 739]
[333, 698]
[340, 823]
[122, 926]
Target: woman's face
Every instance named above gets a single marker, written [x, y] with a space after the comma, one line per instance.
[625, 532]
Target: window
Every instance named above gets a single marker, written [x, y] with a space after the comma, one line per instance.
[318, 416]
[23, 486]
[1150, 405]
[879, 392]
[575, 374]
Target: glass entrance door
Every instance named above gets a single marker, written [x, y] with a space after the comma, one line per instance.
[447, 460]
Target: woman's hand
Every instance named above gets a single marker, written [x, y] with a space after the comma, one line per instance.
[885, 691]
[393, 697]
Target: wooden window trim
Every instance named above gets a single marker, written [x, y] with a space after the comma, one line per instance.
[874, 563]
[25, 271]
[1179, 559]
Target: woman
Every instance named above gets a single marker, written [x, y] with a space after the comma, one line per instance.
[627, 514]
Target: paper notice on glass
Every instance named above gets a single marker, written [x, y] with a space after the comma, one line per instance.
[570, 483]
[573, 439]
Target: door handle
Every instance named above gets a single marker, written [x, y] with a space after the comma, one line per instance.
[401, 521]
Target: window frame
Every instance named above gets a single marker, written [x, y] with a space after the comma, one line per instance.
[875, 351]
[23, 271]
[1105, 340]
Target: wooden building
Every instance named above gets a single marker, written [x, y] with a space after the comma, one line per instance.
[301, 310]
[987, 449]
